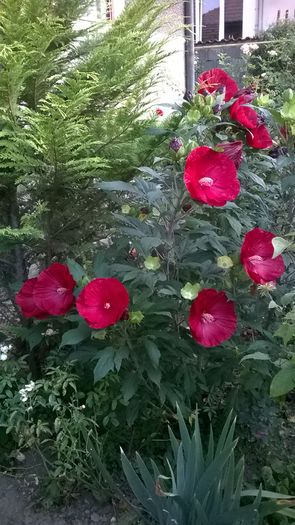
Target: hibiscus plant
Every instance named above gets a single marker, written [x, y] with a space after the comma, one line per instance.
[179, 301]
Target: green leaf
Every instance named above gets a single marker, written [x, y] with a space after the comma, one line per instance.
[120, 354]
[279, 245]
[288, 298]
[101, 267]
[34, 336]
[157, 131]
[286, 332]
[75, 269]
[153, 352]
[76, 335]
[105, 364]
[255, 178]
[256, 355]
[129, 386]
[283, 382]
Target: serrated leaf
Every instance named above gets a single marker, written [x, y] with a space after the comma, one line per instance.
[120, 354]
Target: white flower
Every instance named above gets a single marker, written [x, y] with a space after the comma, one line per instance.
[248, 48]
[50, 332]
[263, 75]
[23, 395]
[23, 392]
[272, 53]
[3, 357]
[5, 348]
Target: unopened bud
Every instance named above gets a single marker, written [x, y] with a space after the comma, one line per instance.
[224, 262]
[152, 263]
[190, 291]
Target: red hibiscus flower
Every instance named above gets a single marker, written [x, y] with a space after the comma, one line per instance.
[233, 150]
[103, 302]
[246, 116]
[256, 257]
[159, 112]
[216, 80]
[211, 177]
[26, 302]
[53, 290]
[212, 318]
[259, 137]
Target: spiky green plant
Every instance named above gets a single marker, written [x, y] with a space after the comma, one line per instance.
[199, 488]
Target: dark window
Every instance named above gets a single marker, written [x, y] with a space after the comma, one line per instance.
[233, 29]
[233, 16]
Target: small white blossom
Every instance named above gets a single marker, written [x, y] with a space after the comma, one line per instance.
[50, 332]
[4, 349]
[263, 75]
[272, 53]
[23, 392]
[248, 48]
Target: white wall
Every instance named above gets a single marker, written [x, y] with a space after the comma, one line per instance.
[271, 7]
[249, 18]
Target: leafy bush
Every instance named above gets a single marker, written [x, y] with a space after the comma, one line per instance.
[272, 63]
[166, 248]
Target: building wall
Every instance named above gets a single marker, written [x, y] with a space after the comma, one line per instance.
[271, 8]
[170, 85]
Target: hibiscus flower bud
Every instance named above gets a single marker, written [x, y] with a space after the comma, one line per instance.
[288, 94]
[133, 253]
[190, 291]
[126, 209]
[175, 144]
[193, 116]
[276, 152]
[125, 316]
[136, 317]
[224, 262]
[187, 207]
[100, 335]
[199, 100]
[209, 100]
[263, 100]
[188, 96]
[152, 263]
[217, 109]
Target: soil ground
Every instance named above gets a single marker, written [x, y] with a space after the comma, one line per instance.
[17, 508]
